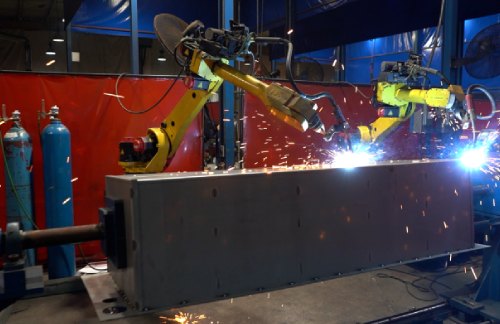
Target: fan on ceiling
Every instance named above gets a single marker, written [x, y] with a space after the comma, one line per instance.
[482, 55]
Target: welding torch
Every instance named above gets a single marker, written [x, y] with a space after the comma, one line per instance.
[342, 126]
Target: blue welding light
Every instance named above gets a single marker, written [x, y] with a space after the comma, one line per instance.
[474, 158]
[351, 160]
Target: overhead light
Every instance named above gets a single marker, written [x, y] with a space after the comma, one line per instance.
[58, 38]
[161, 57]
[334, 62]
[290, 31]
[57, 32]
[49, 63]
[50, 50]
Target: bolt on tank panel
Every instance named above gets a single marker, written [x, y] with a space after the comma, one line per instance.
[195, 237]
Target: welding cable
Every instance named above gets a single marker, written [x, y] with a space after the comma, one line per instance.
[134, 112]
[356, 89]
[488, 95]
[434, 46]
[145, 110]
[289, 56]
[438, 31]
[206, 114]
[337, 111]
[433, 281]
[409, 284]
[470, 108]
[86, 262]
[26, 215]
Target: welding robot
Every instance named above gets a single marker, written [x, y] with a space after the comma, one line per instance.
[129, 238]
[400, 87]
[204, 52]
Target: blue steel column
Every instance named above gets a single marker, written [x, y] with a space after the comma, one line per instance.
[134, 38]
[453, 31]
[227, 13]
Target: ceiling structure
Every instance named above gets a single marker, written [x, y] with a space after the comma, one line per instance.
[320, 24]
[317, 23]
[30, 14]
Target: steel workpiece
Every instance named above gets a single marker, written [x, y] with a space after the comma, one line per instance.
[200, 236]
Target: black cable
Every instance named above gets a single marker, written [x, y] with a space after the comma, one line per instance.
[434, 46]
[206, 113]
[438, 31]
[134, 112]
[176, 57]
[338, 113]
[488, 95]
[86, 261]
[342, 124]
[419, 277]
[410, 284]
[430, 289]
[356, 89]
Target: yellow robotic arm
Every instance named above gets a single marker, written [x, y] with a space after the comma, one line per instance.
[401, 101]
[205, 52]
[399, 90]
[150, 153]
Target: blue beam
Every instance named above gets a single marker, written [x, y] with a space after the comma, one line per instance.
[227, 122]
[134, 38]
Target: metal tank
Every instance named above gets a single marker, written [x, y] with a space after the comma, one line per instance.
[18, 151]
[56, 145]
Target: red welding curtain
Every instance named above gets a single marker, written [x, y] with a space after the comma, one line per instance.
[97, 123]
[269, 142]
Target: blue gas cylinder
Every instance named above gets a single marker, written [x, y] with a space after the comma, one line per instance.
[18, 178]
[56, 146]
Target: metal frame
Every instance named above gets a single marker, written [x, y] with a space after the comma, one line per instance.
[453, 31]
[228, 93]
[134, 37]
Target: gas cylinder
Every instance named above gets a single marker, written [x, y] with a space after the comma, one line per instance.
[18, 178]
[56, 147]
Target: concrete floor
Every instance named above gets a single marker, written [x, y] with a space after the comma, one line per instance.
[354, 299]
